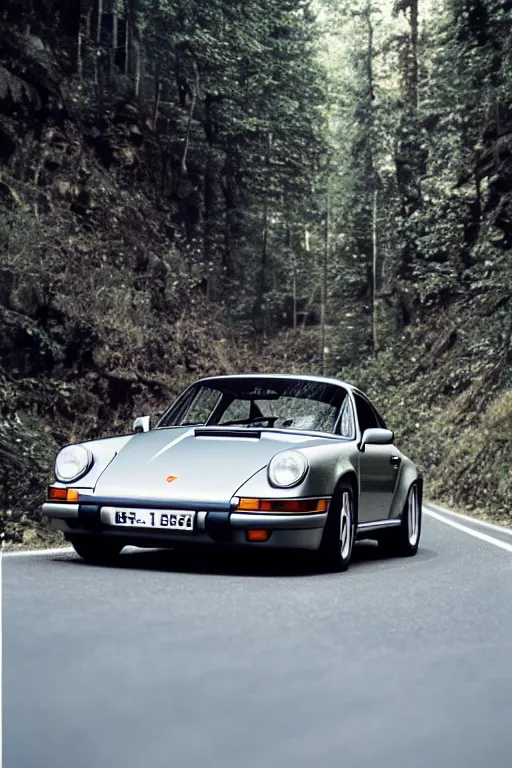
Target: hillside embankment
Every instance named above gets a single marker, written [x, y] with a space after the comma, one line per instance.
[103, 314]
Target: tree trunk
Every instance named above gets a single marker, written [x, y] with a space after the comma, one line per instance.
[99, 8]
[294, 275]
[371, 171]
[158, 91]
[229, 205]
[85, 45]
[369, 58]
[127, 38]
[137, 69]
[259, 318]
[97, 38]
[410, 156]
[375, 272]
[323, 290]
[294, 290]
[79, 59]
[413, 64]
[115, 37]
[210, 250]
[263, 263]
[190, 118]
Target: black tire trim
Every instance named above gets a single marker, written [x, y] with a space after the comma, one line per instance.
[395, 543]
[329, 554]
[94, 549]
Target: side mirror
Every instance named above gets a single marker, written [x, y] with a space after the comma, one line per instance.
[142, 424]
[376, 437]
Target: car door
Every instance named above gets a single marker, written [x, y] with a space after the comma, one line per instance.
[378, 467]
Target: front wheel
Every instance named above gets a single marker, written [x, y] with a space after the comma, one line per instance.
[339, 533]
[94, 549]
[404, 541]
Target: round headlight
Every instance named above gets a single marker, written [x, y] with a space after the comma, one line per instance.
[287, 469]
[72, 462]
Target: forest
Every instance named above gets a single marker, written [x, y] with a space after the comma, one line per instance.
[191, 188]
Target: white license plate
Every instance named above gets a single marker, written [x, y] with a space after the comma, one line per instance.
[142, 518]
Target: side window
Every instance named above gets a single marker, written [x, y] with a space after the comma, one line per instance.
[347, 419]
[365, 414]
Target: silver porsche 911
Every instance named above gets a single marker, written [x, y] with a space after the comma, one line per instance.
[281, 462]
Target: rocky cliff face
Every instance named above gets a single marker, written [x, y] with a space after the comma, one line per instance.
[102, 313]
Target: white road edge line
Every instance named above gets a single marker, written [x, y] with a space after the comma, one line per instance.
[474, 520]
[470, 531]
[36, 552]
[1, 667]
[54, 551]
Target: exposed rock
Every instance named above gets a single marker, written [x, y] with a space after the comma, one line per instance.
[16, 91]
[63, 188]
[136, 136]
[27, 298]
[8, 137]
[127, 113]
[38, 66]
[124, 156]
[52, 163]
[9, 198]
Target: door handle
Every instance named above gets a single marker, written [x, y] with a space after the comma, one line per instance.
[395, 461]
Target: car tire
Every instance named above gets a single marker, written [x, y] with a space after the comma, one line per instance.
[96, 550]
[404, 541]
[338, 538]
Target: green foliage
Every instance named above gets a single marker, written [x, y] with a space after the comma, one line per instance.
[444, 388]
[422, 113]
[247, 75]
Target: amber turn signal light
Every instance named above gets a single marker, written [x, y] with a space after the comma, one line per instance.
[249, 505]
[62, 494]
[257, 535]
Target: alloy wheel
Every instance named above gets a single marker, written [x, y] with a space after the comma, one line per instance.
[413, 516]
[346, 525]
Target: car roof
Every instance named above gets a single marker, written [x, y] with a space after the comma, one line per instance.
[284, 376]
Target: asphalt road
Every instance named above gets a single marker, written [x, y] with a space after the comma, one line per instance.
[167, 662]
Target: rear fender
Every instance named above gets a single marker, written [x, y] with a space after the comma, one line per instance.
[409, 474]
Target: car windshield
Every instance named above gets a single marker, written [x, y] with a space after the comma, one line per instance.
[279, 403]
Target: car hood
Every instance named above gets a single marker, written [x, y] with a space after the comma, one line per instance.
[190, 464]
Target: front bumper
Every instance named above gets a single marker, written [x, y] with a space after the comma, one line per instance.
[225, 527]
